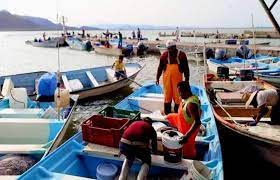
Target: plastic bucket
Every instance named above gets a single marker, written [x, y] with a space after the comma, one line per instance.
[106, 171]
[172, 150]
[199, 171]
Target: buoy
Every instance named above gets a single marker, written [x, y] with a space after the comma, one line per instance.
[172, 150]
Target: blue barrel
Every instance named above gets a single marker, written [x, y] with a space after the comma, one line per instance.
[106, 171]
[47, 84]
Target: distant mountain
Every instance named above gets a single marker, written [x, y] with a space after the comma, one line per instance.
[11, 22]
[133, 27]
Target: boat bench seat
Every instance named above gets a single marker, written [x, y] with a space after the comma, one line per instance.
[93, 81]
[66, 82]
[230, 97]
[20, 113]
[156, 159]
[153, 95]
[150, 104]
[21, 149]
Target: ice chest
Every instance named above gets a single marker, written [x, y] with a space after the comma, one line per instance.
[105, 131]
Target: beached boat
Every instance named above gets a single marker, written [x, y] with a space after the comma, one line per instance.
[113, 51]
[86, 158]
[164, 34]
[50, 43]
[31, 131]
[85, 82]
[149, 101]
[236, 64]
[79, 44]
[271, 77]
[231, 115]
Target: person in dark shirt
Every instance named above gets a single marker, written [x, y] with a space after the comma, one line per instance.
[173, 63]
[120, 40]
[135, 143]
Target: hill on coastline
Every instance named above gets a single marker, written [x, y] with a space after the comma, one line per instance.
[13, 22]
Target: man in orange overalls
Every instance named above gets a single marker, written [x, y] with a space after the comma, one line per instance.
[187, 120]
[173, 63]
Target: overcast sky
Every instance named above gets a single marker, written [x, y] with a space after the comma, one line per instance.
[198, 13]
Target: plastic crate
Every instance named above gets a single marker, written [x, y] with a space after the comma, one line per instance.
[105, 131]
[120, 113]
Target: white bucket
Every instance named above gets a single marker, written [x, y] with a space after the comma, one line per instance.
[199, 171]
[18, 98]
[172, 150]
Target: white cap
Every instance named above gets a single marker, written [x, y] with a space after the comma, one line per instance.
[170, 43]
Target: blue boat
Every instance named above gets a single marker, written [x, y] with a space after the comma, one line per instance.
[33, 130]
[80, 160]
[236, 64]
[85, 82]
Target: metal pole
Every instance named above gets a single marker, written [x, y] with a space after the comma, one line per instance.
[270, 15]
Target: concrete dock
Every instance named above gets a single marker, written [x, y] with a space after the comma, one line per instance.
[189, 47]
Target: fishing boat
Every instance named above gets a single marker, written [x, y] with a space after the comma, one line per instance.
[85, 82]
[87, 158]
[232, 116]
[271, 77]
[79, 44]
[50, 43]
[164, 34]
[113, 51]
[31, 128]
[236, 64]
[149, 101]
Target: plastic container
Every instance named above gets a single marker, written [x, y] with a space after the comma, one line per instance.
[199, 171]
[110, 111]
[18, 98]
[106, 171]
[7, 86]
[172, 150]
[104, 130]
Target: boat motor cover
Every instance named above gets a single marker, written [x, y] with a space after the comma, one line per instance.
[220, 54]
[47, 84]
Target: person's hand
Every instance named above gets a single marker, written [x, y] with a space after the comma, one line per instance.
[157, 82]
[252, 123]
[182, 140]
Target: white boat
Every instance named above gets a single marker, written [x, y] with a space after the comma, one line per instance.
[113, 51]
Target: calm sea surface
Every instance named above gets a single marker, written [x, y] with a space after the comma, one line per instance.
[17, 57]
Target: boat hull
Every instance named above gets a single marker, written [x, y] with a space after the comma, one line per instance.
[108, 51]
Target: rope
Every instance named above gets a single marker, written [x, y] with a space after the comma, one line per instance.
[228, 113]
[24, 105]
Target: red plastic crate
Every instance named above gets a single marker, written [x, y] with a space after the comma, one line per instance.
[104, 130]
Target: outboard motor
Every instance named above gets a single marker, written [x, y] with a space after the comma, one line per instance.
[128, 50]
[209, 53]
[246, 75]
[220, 54]
[88, 46]
[141, 48]
[223, 72]
[244, 52]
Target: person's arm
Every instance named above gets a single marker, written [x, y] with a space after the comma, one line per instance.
[193, 109]
[113, 65]
[160, 69]
[262, 112]
[185, 66]
[154, 141]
